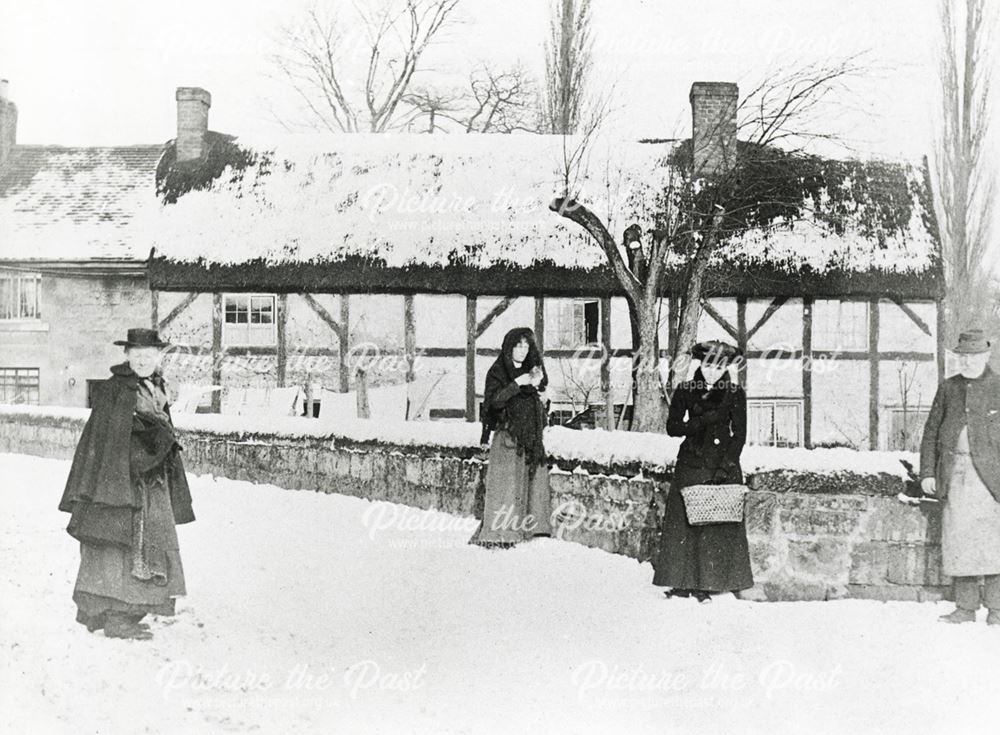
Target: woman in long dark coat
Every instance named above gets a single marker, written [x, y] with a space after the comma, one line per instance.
[517, 502]
[126, 491]
[710, 413]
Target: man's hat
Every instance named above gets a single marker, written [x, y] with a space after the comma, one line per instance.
[140, 337]
[716, 351]
[972, 342]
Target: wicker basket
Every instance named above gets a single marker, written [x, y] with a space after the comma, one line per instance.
[714, 503]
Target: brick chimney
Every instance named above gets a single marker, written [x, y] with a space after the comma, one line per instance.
[713, 127]
[8, 122]
[192, 122]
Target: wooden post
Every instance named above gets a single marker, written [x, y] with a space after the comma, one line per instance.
[217, 316]
[281, 324]
[154, 309]
[409, 336]
[361, 383]
[540, 323]
[941, 327]
[741, 336]
[344, 338]
[609, 403]
[807, 358]
[873, 330]
[470, 358]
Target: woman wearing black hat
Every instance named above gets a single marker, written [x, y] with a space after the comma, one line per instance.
[710, 412]
[126, 491]
[517, 502]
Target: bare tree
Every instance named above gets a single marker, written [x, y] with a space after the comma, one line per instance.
[698, 212]
[966, 180]
[496, 101]
[316, 58]
[568, 61]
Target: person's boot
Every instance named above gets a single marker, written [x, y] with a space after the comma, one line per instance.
[994, 617]
[136, 618]
[92, 622]
[959, 615]
[120, 626]
[677, 592]
[702, 596]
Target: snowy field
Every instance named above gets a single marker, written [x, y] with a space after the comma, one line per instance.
[320, 613]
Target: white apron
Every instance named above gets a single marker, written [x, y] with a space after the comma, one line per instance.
[970, 520]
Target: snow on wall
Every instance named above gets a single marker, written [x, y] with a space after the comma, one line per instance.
[413, 199]
[597, 446]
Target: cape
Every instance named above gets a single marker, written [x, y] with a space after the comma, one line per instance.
[115, 443]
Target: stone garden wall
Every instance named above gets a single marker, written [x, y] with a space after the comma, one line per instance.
[812, 535]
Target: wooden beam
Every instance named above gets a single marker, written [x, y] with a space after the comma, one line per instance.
[873, 371]
[496, 311]
[154, 308]
[281, 324]
[742, 337]
[720, 320]
[321, 312]
[217, 316]
[409, 335]
[768, 313]
[176, 311]
[470, 358]
[344, 342]
[807, 358]
[540, 323]
[941, 327]
[609, 404]
[914, 317]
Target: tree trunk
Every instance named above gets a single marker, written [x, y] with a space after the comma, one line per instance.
[649, 409]
[687, 332]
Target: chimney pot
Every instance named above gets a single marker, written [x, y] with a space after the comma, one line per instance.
[713, 127]
[192, 122]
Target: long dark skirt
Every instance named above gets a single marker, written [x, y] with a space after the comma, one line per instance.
[143, 579]
[518, 498]
[712, 558]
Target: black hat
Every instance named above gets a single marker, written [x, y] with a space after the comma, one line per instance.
[972, 342]
[716, 351]
[140, 337]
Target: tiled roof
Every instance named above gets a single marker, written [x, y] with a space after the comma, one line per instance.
[75, 203]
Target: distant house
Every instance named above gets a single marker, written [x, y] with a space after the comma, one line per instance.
[283, 268]
[72, 276]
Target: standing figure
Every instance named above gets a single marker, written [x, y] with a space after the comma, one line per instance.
[710, 412]
[126, 490]
[960, 463]
[518, 502]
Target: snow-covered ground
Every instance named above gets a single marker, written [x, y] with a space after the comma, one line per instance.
[321, 613]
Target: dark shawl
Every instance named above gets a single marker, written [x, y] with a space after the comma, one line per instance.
[518, 410]
[117, 448]
[713, 420]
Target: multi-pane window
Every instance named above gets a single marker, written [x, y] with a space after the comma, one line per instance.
[578, 323]
[18, 385]
[249, 320]
[840, 325]
[20, 295]
[774, 422]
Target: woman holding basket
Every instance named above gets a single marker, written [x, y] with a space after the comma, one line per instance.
[710, 412]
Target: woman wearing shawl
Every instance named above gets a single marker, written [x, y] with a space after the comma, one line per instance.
[710, 412]
[517, 503]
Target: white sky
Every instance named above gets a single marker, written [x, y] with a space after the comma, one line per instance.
[104, 71]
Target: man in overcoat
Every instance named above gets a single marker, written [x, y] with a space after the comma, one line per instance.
[960, 464]
[126, 491]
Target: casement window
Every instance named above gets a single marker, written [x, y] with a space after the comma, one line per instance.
[578, 323]
[840, 325]
[20, 295]
[248, 320]
[906, 427]
[774, 422]
[19, 385]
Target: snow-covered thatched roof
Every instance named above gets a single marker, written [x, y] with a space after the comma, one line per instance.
[482, 200]
[74, 204]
